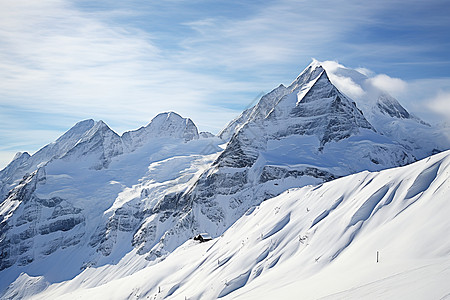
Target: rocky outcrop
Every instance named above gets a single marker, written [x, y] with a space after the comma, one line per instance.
[29, 217]
[306, 133]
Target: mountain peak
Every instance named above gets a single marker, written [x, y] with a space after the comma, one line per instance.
[390, 106]
[311, 104]
[310, 73]
[99, 127]
[76, 131]
[316, 107]
[173, 125]
[167, 115]
[314, 64]
[85, 122]
[166, 124]
[101, 123]
[21, 155]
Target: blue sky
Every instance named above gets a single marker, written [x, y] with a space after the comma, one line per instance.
[125, 61]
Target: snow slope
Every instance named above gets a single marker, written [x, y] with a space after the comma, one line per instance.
[312, 242]
[84, 204]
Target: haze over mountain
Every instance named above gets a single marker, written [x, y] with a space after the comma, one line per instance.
[94, 206]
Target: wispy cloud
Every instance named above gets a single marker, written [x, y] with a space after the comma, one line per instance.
[57, 59]
[428, 98]
[124, 62]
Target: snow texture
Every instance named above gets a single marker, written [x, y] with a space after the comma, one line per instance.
[296, 259]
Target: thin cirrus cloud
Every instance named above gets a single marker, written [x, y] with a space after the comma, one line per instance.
[124, 62]
[60, 60]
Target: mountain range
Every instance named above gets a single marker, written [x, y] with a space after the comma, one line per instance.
[303, 164]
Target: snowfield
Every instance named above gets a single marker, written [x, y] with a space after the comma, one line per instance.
[309, 243]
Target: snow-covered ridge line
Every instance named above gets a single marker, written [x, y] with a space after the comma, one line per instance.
[91, 185]
[310, 123]
[290, 245]
[89, 136]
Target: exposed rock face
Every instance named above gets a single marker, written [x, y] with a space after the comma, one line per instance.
[66, 142]
[323, 111]
[391, 107]
[25, 164]
[387, 115]
[273, 173]
[99, 143]
[125, 219]
[35, 217]
[41, 214]
[8, 173]
[205, 135]
[306, 133]
[258, 112]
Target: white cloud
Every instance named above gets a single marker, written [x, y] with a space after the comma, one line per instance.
[420, 93]
[347, 86]
[332, 66]
[440, 104]
[278, 32]
[365, 71]
[428, 99]
[342, 78]
[391, 85]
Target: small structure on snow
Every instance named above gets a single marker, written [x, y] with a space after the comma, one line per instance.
[203, 237]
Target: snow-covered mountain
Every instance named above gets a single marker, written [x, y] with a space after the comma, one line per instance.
[91, 190]
[368, 235]
[170, 125]
[107, 206]
[306, 133]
